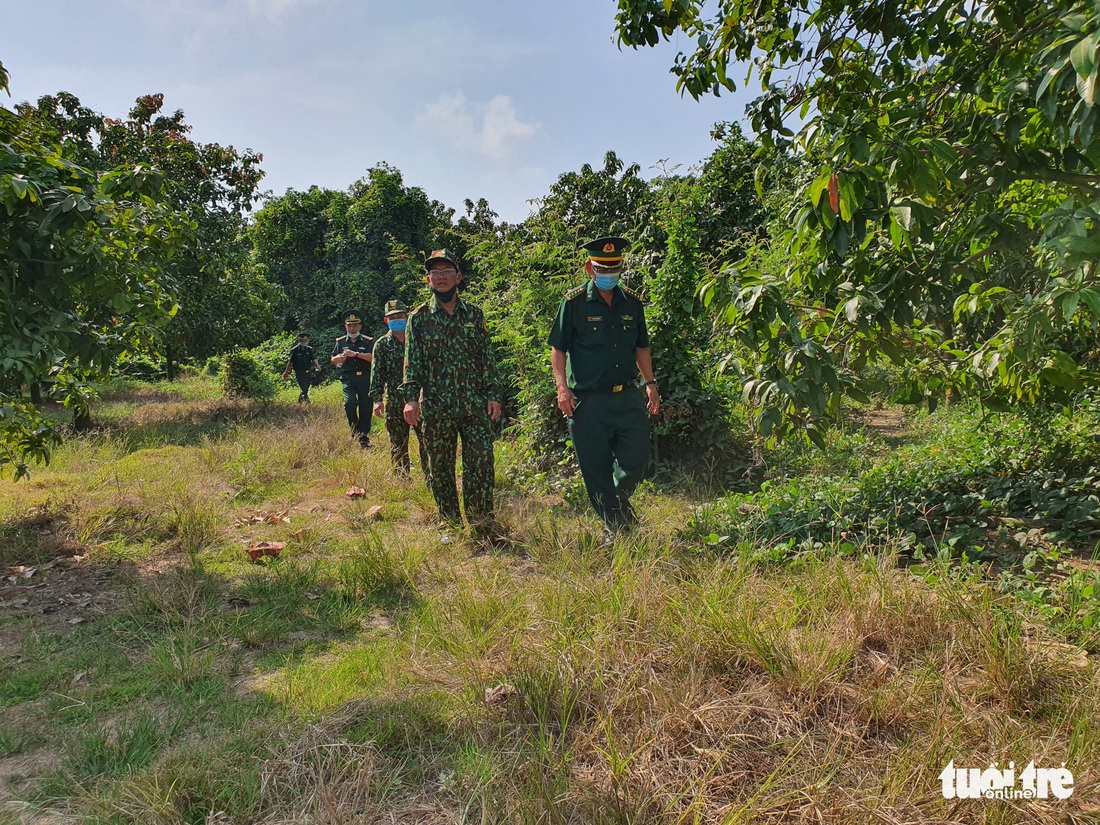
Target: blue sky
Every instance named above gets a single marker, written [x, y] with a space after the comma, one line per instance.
[468, 98]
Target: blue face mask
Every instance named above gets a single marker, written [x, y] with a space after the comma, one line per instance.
[397, 325]
[607, 282]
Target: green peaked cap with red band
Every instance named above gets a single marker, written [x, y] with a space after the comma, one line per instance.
[607, 251]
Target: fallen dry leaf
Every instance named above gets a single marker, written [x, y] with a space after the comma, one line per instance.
[265, 517]
[499, 694]
[265, 548]
[374, 513]
[355, 492]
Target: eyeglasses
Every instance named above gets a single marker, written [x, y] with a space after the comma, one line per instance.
[442, 273]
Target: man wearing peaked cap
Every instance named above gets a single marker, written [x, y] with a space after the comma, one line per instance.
[387, 376]
[599, 345]
[303, 360]
[351, 354]
[451, 385]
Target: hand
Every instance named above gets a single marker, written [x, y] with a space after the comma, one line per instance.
[566, 401]
[379, 409]
[653, 397]
[412, 413]
[349, 353]
[494, 410]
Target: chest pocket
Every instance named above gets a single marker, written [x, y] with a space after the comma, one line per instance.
[593, 325]
[628, 326]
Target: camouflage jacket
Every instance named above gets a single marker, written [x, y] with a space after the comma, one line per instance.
[449, 362]
[388, 370]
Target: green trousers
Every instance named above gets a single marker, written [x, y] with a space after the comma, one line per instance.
[442, 429]
[610, 432]
[357, 404]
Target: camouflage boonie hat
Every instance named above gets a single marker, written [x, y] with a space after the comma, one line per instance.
[395, 308]
[440, 255]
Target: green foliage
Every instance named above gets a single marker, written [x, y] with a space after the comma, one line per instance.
[948, 220]
[977, 485]
[331, 251]
[245, 377]
[222, 300]
[80, 258]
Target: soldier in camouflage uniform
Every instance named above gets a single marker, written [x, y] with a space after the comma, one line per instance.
[387, 376]
[351, 354]
[599, 344]
[451, 384]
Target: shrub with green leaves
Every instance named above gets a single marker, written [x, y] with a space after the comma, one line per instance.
[245, 377]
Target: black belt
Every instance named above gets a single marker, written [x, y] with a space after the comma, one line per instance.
[612, 388]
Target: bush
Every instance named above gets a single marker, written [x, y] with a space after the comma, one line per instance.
[245, 377]
[213, 365]
[142, 367]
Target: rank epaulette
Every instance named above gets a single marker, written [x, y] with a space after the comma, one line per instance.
[576, 292]
[631, 293]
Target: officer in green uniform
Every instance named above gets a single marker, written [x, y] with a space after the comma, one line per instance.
[599, 344]
[303, 360]
[451, 385]
[387, 376]
[351, 354]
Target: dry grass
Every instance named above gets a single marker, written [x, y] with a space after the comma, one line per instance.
[372, 674]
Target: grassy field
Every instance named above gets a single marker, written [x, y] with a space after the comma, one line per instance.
[724, 664]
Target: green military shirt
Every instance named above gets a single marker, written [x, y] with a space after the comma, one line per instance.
[449, 359]
[302, 357]
[388, 369]
[601, 341]
[353, 367]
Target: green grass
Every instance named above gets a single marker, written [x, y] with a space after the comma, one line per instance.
[370, 673]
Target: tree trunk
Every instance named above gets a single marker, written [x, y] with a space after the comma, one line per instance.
[82, 419]
[170, 363]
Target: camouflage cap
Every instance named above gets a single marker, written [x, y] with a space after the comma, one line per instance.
[395, 308]
[440, 255]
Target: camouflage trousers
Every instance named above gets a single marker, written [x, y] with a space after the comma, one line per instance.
[398, 431]
[442, 429]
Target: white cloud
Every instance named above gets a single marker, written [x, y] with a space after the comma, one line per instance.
[502, 129]
[493, 129]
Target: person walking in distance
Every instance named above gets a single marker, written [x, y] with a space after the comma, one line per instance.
[351, 354]
[303, 360]
[387, 376]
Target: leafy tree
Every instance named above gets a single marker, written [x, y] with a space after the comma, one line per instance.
[950, 220]
[334, 250]
[223, 302]
[80, 257]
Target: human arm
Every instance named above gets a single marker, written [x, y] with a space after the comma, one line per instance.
[566, 400]
[645, 366]
[414, 372]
